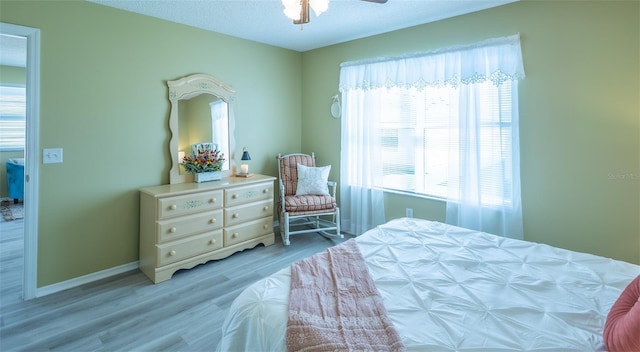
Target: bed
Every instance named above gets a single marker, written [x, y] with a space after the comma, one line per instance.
[447, 288]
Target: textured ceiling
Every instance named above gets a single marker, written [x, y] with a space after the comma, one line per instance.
[263, 20]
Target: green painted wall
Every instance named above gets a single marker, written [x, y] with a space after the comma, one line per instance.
[104, 100]
[579, 112]
[12, 76]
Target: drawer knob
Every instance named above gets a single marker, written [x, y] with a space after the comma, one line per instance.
[173, 207]
[234, 196]
[212, 200]
[265, 190]
[212, 241]
[265, 226]
[266, 207]
[173, 230]
[172, 253]
[212, 221]
[234, 235]
[235, 215]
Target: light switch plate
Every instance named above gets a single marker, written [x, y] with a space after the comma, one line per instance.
[51, 155]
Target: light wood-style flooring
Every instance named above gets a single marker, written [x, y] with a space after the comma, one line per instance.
[128, 312]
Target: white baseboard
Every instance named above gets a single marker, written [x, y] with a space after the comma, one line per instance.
[65, 285]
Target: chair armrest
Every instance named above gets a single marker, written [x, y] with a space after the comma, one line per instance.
[333, 185]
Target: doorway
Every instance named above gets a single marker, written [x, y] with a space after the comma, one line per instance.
[31, 165]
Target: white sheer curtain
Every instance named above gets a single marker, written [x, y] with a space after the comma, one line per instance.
[219, 123]
[496, 60]
[467, 67]
[361, 202]
[484, 162]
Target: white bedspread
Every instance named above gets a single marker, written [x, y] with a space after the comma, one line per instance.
[452, 289]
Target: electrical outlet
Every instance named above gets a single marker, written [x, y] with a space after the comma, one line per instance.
[409, 212]
[51, 155]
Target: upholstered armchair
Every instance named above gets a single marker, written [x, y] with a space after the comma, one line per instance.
[307, 199]
[15, 178]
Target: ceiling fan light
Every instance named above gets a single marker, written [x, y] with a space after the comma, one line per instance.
[319, 6]
[292, 9]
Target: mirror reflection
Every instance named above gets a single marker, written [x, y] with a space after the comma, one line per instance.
[203, 119]
[201, 112]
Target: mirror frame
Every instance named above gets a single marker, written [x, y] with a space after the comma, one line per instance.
[186, 88]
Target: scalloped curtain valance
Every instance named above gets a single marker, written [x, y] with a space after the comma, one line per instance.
[497, 60]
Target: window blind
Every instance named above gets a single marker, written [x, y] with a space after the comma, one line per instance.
[12, 117]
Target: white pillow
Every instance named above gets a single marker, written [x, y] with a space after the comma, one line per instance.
[313, 180]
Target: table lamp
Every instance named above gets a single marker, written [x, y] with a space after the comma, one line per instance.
[244, 167]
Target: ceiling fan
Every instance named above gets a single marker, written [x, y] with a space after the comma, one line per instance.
[298, 10]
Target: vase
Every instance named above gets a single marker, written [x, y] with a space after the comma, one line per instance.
[208, 176]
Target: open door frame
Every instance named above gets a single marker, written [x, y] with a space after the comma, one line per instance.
[32, 147]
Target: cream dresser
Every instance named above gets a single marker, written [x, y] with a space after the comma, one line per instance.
[183, 225]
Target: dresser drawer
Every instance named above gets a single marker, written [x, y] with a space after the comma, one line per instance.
[248, 194]
[243, 213]
[175, 228]
[247, 231]
[178, 250]
[189, 204]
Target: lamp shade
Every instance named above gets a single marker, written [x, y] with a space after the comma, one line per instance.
[245, 155]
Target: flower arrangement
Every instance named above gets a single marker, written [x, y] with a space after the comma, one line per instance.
[203, 161]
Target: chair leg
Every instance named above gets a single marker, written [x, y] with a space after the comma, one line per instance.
[285, 233]
[336, 218]
[337, 221]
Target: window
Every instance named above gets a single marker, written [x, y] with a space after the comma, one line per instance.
[442, 124]
[12, 118]
[220, 127]
[419, 134]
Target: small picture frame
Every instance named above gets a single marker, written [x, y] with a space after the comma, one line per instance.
[198, 148]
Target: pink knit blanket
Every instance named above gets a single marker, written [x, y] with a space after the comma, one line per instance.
[335, 306]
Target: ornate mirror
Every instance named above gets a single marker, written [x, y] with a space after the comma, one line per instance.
[201, 112]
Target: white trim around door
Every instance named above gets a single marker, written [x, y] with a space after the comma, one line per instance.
[32, 148]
